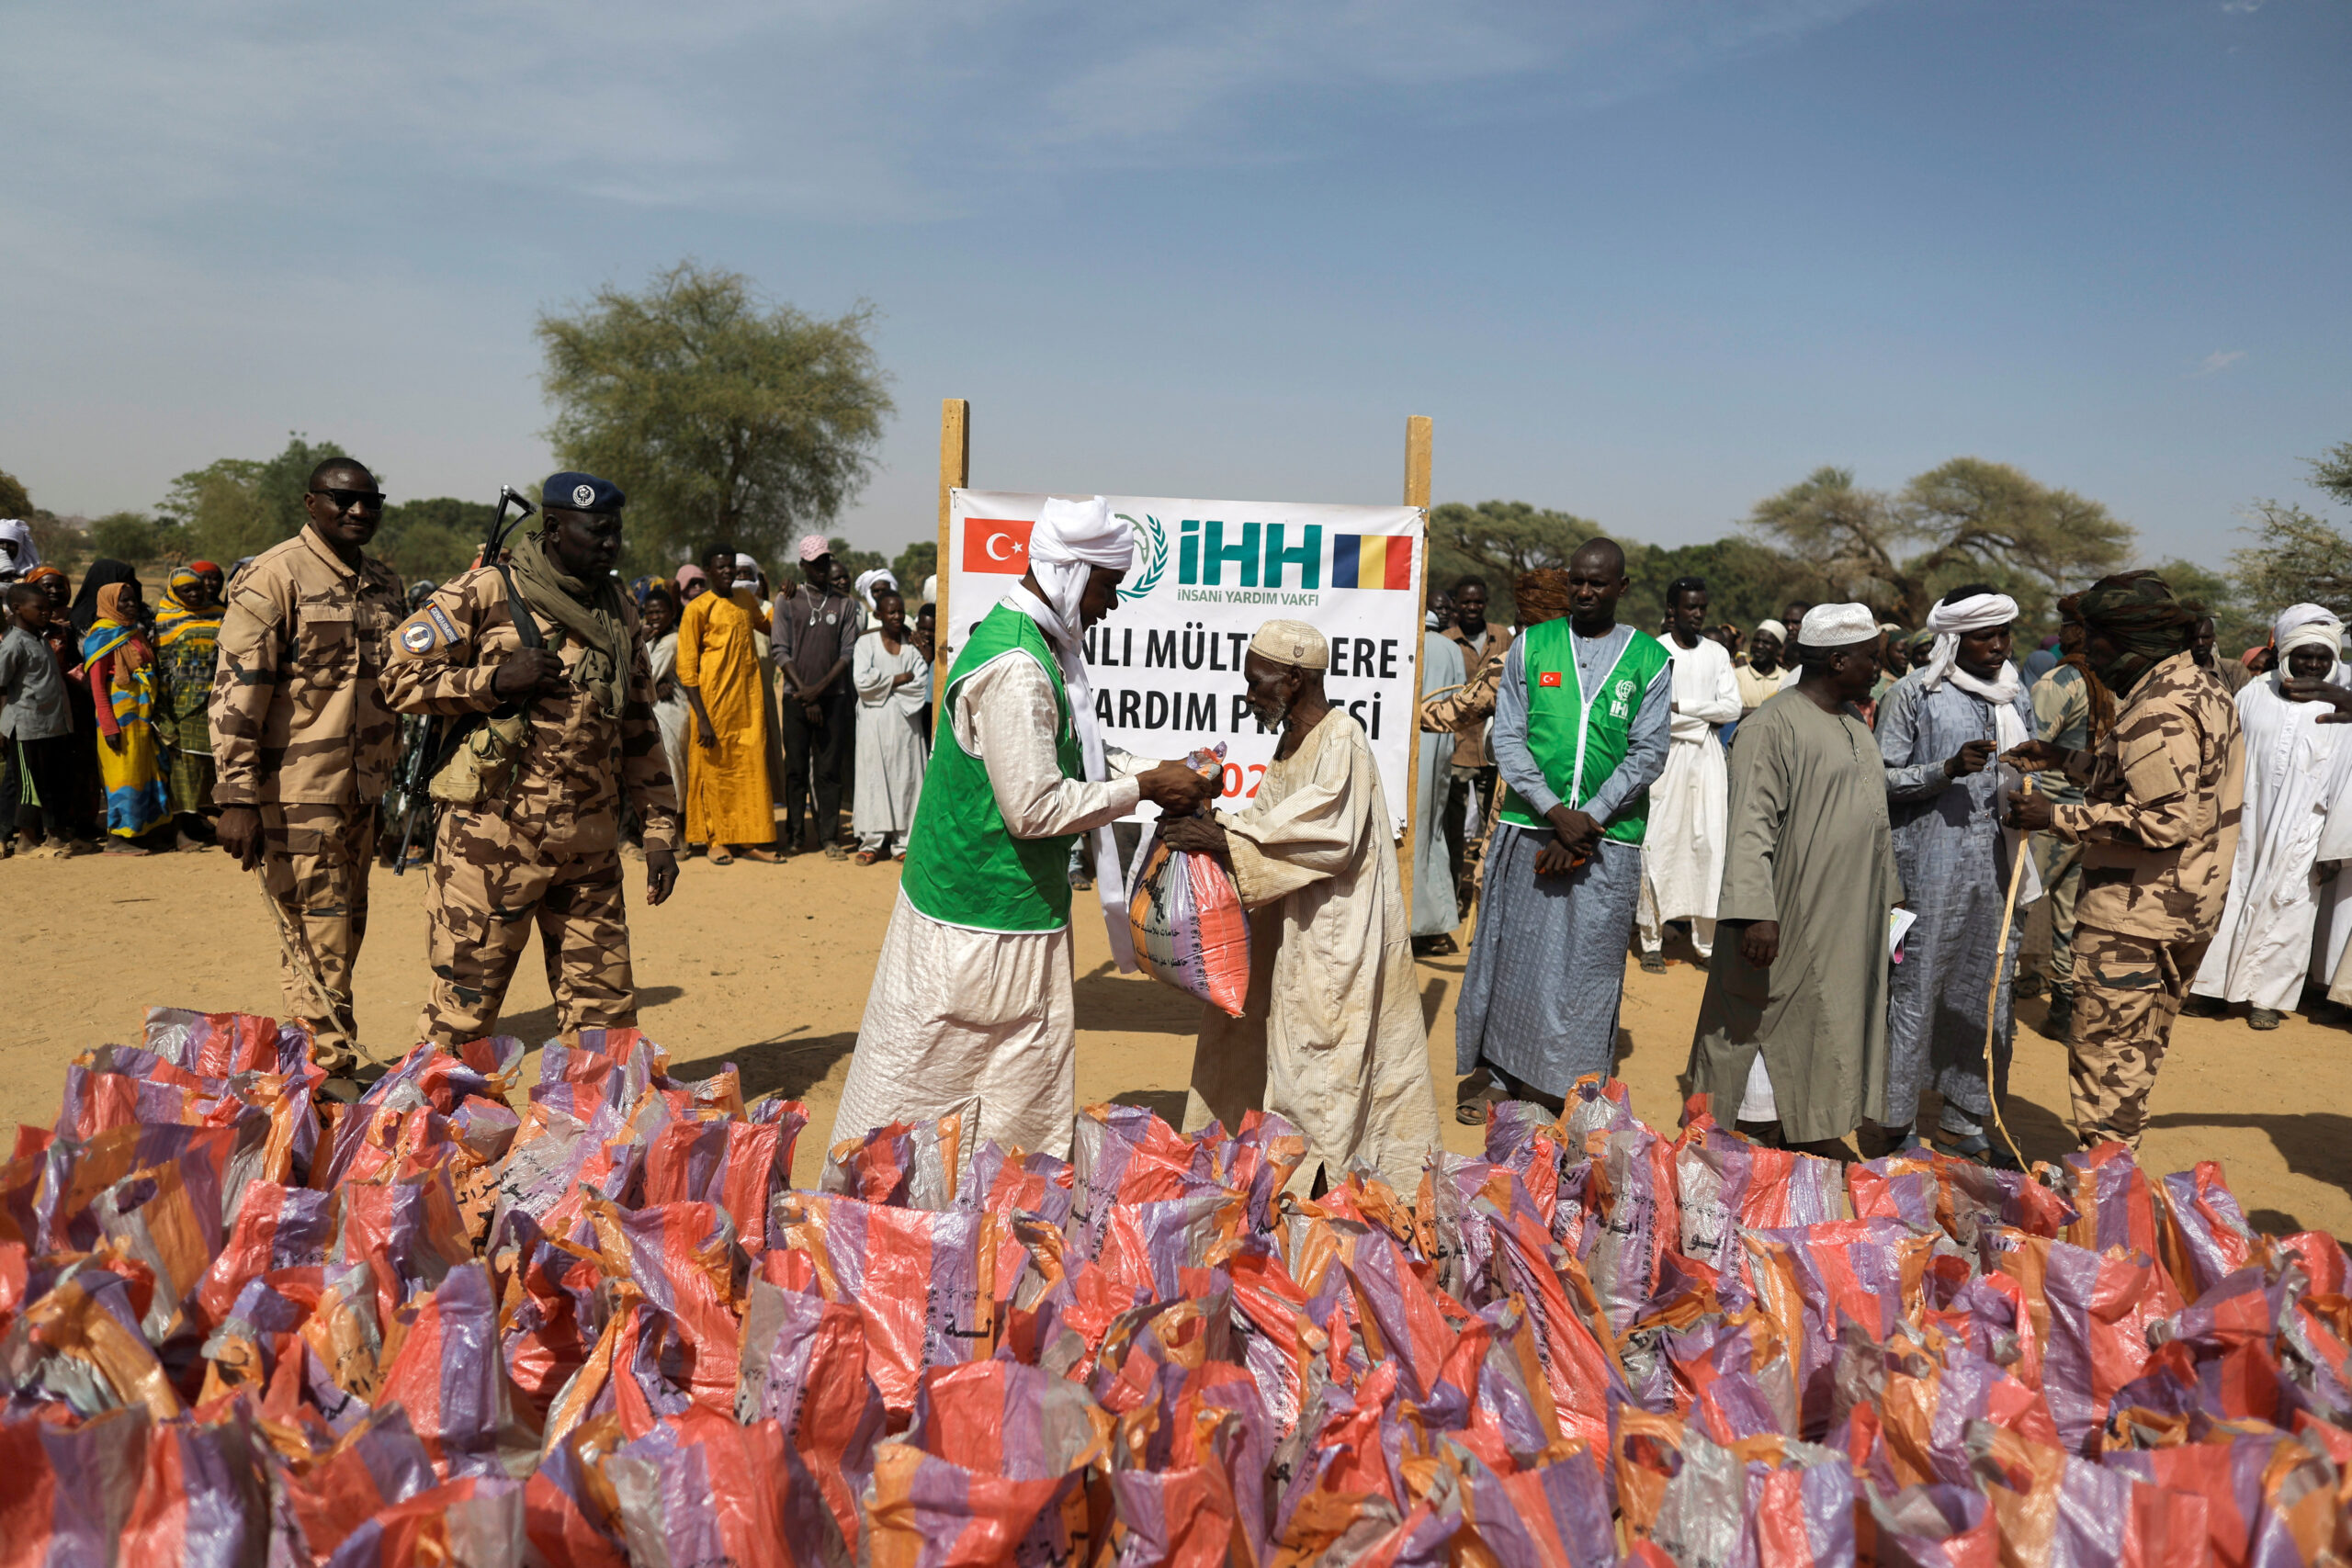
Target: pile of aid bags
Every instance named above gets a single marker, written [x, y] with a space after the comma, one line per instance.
[599, 1327]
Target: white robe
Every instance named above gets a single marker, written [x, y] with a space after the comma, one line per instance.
[891, 749]
[2298, 772]
[1331, 1037]
[672, 713]
[955, 1012]
[1682, 853]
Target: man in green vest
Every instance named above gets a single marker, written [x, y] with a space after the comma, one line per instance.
[1580, 731]
[971, 993]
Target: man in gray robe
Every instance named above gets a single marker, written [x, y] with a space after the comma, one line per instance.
[1435, 911]
[1792, 1030]
[1938, 727]
[1546, 973]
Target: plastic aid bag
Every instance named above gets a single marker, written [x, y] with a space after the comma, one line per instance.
[1189, 929]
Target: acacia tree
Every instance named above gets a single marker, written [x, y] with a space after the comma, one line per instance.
[2299, 557]
[1977, 520]
[721, 415]
[1497, 540]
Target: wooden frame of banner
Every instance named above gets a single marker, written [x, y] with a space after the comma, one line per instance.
[955, 473]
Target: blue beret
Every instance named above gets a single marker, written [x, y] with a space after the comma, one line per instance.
[581, 493]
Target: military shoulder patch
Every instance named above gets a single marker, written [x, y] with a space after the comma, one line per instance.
[440, 617]
[416, 637]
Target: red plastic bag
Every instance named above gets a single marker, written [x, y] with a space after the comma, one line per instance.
[1189, 929]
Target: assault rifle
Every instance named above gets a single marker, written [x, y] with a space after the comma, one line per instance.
[441, 737]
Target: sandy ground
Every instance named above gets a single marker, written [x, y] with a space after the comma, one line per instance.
[767, 966]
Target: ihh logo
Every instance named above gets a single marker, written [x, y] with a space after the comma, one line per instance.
[1258, 554]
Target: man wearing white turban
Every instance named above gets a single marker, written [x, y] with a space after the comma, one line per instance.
[18, 554]
[2295, 824]
[1938, 727]
[971, 993]
[1330, 1036]
[1792, 1037]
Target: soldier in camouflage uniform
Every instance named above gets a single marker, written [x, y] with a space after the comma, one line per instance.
[542, 846]
[303, 744]
[2158, 827]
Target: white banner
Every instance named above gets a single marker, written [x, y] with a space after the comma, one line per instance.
[1166, 665]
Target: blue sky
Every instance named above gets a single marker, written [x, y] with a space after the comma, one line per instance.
[1644, 262]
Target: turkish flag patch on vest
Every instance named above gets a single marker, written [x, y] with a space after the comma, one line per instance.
[1548, 678]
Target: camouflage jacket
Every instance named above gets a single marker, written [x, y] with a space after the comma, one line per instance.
[568, 787]
[297, 713]
[1464, 709]
[2159, 819]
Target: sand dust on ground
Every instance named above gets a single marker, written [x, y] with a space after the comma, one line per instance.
[767, 966]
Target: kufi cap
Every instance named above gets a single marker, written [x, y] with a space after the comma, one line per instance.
[1291, 642]
[1837, 625]
[581, 493]
[1778, 632]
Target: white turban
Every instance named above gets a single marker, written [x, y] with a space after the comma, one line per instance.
[20, 534]
[1068, 541]
[869, 581]
[1979, 612]
[1775, 629]
[1293, 643]
[1837, 625]
[2307, 626]
[745, 563]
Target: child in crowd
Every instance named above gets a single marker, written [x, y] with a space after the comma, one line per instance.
[38, 721]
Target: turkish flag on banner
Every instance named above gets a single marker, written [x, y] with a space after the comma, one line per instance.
[996, 544]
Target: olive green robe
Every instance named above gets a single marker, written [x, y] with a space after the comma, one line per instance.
[1808, 846]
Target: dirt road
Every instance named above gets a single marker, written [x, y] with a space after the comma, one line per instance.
[767, 966]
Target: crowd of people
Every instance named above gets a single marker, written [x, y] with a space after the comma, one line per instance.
[1850, 801]
[1846, 822]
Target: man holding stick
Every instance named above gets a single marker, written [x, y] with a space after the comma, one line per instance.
[2158, 825]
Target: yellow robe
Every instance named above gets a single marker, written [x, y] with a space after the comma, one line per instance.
[727, 797]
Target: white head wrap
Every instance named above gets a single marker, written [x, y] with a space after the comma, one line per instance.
[870, 583]
[2307, 626]
[929, 591]
[1293, 643]
[1069, 540]
[1979, 612]
[744, 563]
[1778, 632]
[1837, 625]
[20, 534]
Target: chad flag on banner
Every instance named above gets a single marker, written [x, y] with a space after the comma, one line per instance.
[997, 544]
[1371, 560]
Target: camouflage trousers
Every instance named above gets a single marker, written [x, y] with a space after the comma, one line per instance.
[314, 864]
[493, 881]
[2128, 991]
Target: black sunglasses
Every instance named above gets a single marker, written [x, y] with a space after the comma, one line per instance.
[345, 500]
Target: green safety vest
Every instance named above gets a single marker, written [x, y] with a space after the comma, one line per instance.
[1577, 747]
[963, 867]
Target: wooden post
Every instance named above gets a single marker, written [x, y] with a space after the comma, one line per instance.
[1416, 493]
[955, 473]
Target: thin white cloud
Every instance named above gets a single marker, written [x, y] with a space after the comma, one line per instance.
[2213, 364]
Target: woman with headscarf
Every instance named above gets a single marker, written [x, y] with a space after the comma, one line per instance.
[692, 583]
[120, 668]
[187, 644]
[971, 996]
[103, 574]
[1938, 727]
[671, 709]
[2297, 818]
